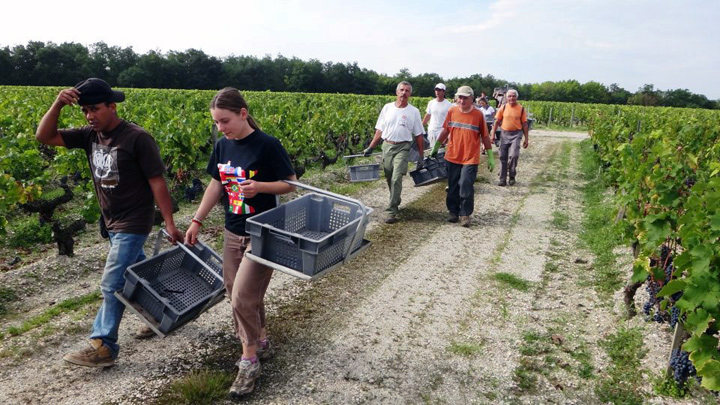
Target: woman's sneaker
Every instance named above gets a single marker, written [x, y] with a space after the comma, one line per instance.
[95, 355]
[245, 381]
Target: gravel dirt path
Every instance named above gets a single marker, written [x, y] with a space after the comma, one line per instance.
[430, 313]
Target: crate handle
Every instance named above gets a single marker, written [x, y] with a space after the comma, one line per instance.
[362, 155]
[187, 250]
[288, 239]
[363, 210]
[349, 158]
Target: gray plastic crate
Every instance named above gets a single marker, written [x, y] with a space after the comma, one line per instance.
[309, 234]
[433, 170]
[364, 172]
[414, 154]
[360, 173]
[175, 286]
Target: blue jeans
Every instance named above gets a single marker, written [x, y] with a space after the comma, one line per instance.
[126, 249]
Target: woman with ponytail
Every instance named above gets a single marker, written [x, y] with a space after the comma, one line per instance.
[247, 167]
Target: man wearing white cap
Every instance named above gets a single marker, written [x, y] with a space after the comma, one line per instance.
[435, 113]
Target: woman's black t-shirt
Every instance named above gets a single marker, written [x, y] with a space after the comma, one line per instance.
[258, 157]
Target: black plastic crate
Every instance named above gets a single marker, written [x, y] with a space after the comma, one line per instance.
[433, 170]
[309, 234]
[174, 286]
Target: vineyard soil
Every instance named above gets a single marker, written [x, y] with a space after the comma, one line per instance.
[501, 312]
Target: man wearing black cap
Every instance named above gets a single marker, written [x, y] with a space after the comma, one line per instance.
[128, 175]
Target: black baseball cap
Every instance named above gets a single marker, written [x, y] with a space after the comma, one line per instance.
[95, 91]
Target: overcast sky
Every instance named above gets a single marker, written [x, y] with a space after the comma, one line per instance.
[671, 44]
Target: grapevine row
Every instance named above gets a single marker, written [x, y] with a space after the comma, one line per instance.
[664, 164]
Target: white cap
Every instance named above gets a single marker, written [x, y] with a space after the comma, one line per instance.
[440, 86]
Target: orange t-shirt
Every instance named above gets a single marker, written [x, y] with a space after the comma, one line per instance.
[512, 117]
[466, 130]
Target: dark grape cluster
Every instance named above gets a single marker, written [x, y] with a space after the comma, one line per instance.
[689, 182]
[658, 317]
[674, 316]
[681, 365]
[192, 192]
[647, 307]
[652, 288]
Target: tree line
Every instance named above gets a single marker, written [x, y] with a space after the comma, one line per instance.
[50, 64]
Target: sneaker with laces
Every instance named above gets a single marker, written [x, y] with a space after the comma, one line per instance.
[245, 381]
[144, 332]
[453, 218]
[95, 355]
[465, 221]
[265, 352]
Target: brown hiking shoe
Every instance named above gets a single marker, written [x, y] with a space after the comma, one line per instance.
[465, 221]
[95, 355]
[245, 380]
[144, 332]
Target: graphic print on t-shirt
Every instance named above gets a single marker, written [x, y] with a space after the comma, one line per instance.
[105, 168]
[231, 177]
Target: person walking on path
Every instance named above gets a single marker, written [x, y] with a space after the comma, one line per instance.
[488, 112]
[435, 113]
[465, 125]
[247, 167]
[127, 172]
[399, 122]
[512, 119]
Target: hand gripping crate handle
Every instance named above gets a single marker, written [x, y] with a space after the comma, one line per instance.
[187, 250]
[363, 210]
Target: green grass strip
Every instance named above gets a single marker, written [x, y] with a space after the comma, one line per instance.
[619, 384]
[70, 304]
[512, 281]
[599, 232]
[199, 387]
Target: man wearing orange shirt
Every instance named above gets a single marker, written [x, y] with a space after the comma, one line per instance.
[466, 126]
[512, 119]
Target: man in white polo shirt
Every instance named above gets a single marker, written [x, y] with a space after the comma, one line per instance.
[398, 125]
[435, 113]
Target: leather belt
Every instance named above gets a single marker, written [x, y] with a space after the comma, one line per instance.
[395, 143]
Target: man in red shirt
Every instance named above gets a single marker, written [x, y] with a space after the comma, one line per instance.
[512, 119]
[466, 127]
